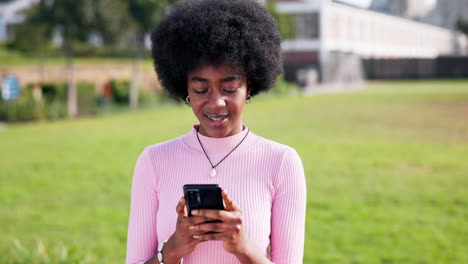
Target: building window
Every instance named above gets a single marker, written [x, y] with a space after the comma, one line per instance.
[307, 26]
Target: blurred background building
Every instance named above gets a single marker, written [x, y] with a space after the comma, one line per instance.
[447, 12]
[352, 40]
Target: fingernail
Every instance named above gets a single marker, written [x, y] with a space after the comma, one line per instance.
[194, 212]
[197, 237]
[191, 227]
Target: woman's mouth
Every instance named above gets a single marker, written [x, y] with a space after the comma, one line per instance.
[217, 119]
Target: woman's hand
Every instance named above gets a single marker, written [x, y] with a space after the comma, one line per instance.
[182, 242]
[230, 230]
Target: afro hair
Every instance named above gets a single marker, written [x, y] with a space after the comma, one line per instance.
[240, 33]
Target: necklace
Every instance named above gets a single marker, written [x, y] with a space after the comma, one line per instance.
[213, 167]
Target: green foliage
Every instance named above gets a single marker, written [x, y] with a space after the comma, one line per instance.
[112, 22]
[24, 108]
[163, 97]
[147, 97]
[284, 88]
[147, 13]
[87, 99]
[33, 35]
[286, 22]
[462, 25]
[52, 106]
[112, 25]
[73, 19]
[121, 93]
[55, 98]
[9, 56]
[55, 110]
[54, 92]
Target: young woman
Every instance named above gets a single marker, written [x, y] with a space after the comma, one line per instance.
[216, 55]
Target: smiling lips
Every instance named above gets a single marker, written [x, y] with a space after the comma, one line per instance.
[216, 118]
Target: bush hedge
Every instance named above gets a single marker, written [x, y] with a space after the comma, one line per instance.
[54, 101]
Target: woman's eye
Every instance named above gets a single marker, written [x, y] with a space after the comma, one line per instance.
[230, 91]
[200, 91]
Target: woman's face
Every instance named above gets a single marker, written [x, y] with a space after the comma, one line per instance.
[217, 96]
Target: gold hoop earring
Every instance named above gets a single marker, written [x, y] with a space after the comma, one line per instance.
[187, 99]
[249, 99]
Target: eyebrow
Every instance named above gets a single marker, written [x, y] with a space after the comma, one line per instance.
[230, 79]
[199, 79]
[227, 79]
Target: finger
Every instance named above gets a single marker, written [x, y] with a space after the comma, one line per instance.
[229, 202]
[181, 210]
[216, 227]
[221, 215]
[195, 220]
[215, 236]
[197, 232]
[205, 237]
[211, 214]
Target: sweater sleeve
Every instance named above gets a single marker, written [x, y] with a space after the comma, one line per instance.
[142, 238]
[288, 212]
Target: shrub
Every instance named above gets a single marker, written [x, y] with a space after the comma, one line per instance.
[120, 91]
[55, 110]
[53, 105]
[121, 94]
[24, 108]
[147, 97]
[87, 99]
[283, 87]
[52, 92]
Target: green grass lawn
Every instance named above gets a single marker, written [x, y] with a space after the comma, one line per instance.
[10, 58]
[386, 168]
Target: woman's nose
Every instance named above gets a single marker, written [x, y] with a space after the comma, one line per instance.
[216, 99]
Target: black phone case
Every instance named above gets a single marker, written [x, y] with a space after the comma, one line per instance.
[203, 196]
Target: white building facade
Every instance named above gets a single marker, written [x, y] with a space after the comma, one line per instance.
[333, 38]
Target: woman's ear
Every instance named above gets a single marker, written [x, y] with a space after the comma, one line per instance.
[249, 87]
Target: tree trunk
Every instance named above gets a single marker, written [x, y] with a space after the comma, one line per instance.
[37, 91]
[136, 72]
[135, 83]
[72, 99]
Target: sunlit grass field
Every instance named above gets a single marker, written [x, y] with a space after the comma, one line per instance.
[10, 58]
[386, 168]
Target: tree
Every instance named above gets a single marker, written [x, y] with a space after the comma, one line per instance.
[462, 25]
[31, 36]
[76, 20]
[112, 21]
[286, 22]
[145, 15]
[72, 20]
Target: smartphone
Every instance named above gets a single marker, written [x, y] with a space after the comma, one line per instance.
[203, 196]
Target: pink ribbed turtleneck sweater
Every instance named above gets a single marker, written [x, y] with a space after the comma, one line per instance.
[265, 178]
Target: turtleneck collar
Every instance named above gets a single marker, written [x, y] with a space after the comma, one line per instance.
[219, 146]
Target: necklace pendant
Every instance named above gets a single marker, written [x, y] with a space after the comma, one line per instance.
[212, 172]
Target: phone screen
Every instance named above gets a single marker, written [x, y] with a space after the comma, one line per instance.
[203, 196]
